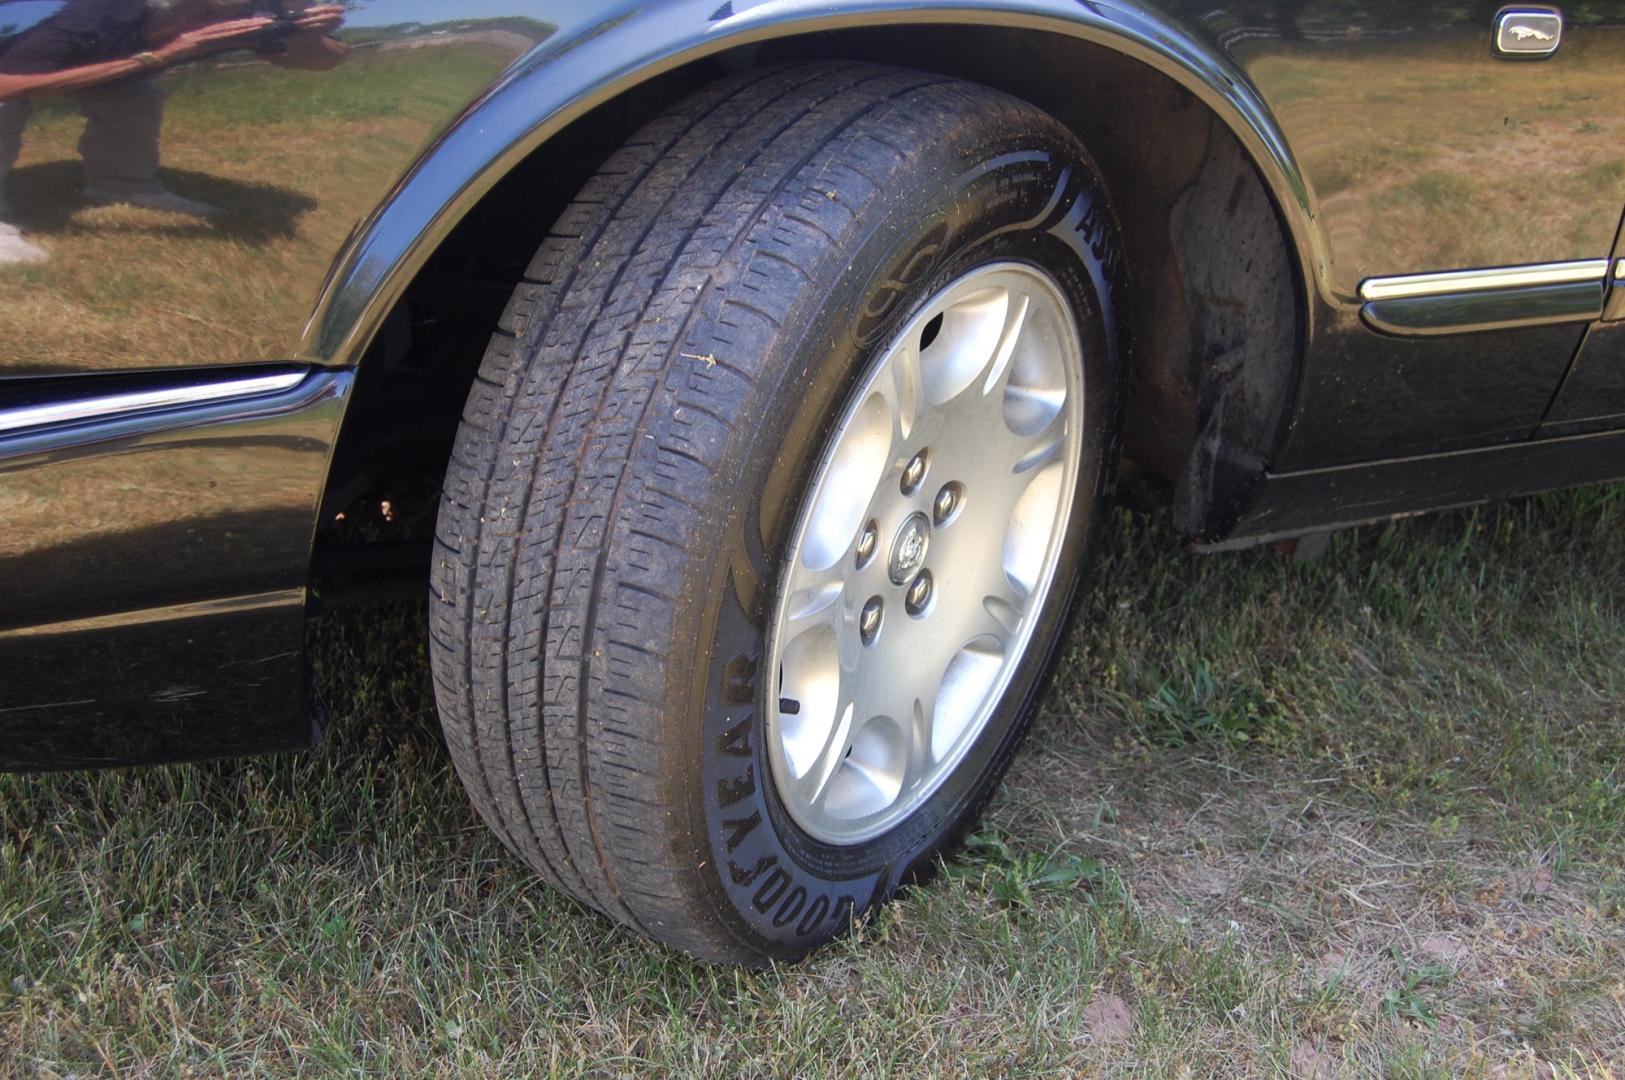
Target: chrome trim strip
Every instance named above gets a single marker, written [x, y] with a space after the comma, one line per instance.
[1476, 312]
[1503, 277]
[113, 405]
[231, 605]
[1619, 270]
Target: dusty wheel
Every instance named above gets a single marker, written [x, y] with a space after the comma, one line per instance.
[772, 497]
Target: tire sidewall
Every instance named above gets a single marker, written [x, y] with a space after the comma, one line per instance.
[1029, 197]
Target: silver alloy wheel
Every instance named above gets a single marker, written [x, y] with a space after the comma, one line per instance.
[924, 551]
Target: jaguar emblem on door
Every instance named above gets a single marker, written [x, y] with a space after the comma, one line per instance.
[1528, 33]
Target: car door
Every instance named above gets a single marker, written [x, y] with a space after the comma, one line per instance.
[1464, 166]
[1593, 394]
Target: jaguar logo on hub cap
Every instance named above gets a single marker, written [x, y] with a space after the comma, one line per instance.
[908, 550]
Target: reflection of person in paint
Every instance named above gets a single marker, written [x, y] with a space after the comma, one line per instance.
[104, 53]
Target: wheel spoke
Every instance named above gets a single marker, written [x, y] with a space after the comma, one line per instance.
[1039, 448]
[986, 605]
[1021, 403]
[1015, 320]
[902, 390]
[815, 784]
[861, 457]
[818, 600]
[920, 755]
[966, 368]
[904, 669]
[968, 688]
[1020, 429]
[998, 615]
[1001, 505]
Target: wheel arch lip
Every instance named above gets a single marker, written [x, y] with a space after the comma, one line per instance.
[557, 85]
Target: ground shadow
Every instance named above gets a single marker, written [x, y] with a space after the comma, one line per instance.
[45, 197]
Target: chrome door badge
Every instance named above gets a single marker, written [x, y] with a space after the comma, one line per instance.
[1528, 33]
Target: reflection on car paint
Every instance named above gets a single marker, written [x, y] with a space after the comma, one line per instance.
[1424, 153]
[205, 159]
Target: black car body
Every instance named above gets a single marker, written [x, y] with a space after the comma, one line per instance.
[1374, 262]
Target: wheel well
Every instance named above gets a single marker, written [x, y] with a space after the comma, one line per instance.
[1215, 323]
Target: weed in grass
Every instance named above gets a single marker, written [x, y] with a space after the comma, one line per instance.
[1013, 879]
[1409, 998]
[1194, 706]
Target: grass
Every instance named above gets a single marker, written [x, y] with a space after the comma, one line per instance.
[1361, 815]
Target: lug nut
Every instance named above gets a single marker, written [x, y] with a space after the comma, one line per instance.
[913, 473]
[868, 540]
[947, 501]
[869, 620]
[918, 596]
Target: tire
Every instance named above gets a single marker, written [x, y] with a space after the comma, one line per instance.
[634, 462]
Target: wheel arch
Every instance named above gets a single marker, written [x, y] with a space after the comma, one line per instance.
[535, 103]
[1063, 55]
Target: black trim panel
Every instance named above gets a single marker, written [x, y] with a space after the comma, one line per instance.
[1292, 504]
[155, 569]
[176, 684]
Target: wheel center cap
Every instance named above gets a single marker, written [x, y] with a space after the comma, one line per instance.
[908, 549]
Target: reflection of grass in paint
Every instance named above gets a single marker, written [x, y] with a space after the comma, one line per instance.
[380, 85]
[1438, 139]
[1608, 172]
[297, 158]
[1436, 191]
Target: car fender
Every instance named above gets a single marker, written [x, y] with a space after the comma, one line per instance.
[625, 46]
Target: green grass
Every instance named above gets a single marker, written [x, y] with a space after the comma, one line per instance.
[1359, 815]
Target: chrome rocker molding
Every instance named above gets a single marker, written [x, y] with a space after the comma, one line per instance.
[1503, 298]
[109, 406]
